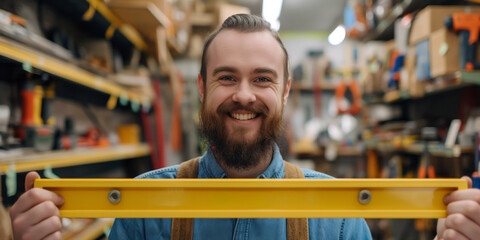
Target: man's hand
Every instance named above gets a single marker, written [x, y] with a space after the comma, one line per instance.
[463, 215]
[35, 215]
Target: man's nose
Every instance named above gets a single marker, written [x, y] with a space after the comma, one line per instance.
[244, 94]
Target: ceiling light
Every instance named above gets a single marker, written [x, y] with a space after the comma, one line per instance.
[337, 36]
[271, 12]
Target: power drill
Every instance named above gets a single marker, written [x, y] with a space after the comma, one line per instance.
[468, 25]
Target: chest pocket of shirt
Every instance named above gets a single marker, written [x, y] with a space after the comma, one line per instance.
[182, 228]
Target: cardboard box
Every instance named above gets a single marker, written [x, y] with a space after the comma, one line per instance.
[432, 18]
[422, 60]
[444, 53]
[409, 68]
[223, 10]
[416, 88]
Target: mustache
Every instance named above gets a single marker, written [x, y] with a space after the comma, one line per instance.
[235, 106]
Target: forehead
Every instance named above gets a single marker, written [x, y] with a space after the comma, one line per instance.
[245, 50]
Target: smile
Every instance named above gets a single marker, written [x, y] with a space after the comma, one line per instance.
[243, 117]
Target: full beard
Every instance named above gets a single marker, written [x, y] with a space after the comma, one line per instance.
[243, 153]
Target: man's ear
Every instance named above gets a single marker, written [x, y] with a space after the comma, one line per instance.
[286, 92]
[201, 87]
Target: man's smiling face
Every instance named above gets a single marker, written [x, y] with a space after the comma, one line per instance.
[244, 93]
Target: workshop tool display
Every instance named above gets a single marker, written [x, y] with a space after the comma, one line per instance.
[252, 198]
[467, 25]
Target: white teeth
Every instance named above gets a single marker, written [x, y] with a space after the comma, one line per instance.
[243, 116]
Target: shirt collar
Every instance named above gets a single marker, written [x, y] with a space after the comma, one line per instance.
[209, 168]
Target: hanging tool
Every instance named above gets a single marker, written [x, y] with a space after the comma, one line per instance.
[393, 82]
[32, 130]
[159, 130]
[4, 117]
[46, 109]
[468, 26]
[340, 92]
[176, 142]
[476, 175]
[252, 198]
[68, 139]
[426, 169]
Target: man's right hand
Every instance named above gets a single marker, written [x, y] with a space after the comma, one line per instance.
[35, 215]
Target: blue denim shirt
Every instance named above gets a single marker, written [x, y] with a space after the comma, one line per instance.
[241, 228]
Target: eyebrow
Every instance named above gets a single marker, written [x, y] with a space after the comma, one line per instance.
[234, 70]
[224, 69]
[265, 70]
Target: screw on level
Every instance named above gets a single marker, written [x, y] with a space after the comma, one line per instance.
[114, 196]
[364, 196]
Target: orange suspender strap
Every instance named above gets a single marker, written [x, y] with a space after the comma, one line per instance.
[297, 228]
[182, 228]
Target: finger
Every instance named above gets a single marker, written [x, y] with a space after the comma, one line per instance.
[30, 179]
[54, 236]
[440, 227]
[451, 234]
[45, 228]
[37, 214]
[467, 208]
[469, 181]
[461, 225]
[33, 197]
[467, 194]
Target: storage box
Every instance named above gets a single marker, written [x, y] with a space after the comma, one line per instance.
[432, 18]
[223, 10]
[416, 88]
[422, 60]
[408, 69]
[444, 53]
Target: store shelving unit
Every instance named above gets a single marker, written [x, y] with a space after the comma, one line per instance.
[437, 150]
[68, 71]
[316, 152]
[466, 79]
[130, 33]
[100, 19]
[65, 158]
[384, 29]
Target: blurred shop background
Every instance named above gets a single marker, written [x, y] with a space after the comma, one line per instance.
[107, 88]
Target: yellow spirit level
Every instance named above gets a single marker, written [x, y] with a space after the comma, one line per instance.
[252, 198]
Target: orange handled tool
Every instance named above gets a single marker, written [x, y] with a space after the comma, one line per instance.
[468, 26]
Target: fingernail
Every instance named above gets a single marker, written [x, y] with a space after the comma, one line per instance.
[446, 199]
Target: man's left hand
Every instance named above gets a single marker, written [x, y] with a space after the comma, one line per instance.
[463, 215]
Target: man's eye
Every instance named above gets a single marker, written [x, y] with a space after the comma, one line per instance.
[262, 79]
[226, 78]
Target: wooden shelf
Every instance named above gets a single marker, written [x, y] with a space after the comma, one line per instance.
[130, 33]
[470, 77]
[68, 71]
[323, 87]
[143, 15]
[434, 149]
[65, 158]
[319, 152]
[403, 95]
